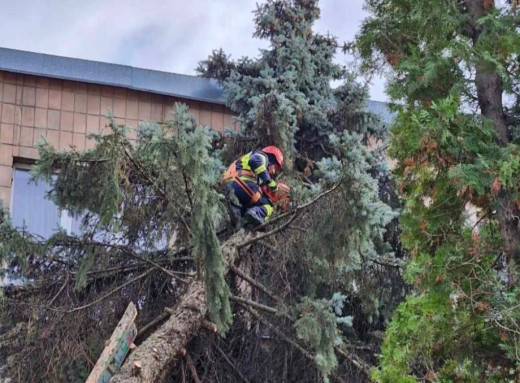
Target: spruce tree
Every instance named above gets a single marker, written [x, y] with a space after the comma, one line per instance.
[284, 97]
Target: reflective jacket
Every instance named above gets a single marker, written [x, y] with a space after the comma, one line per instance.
[251, 168]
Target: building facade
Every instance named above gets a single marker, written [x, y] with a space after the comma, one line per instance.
[63, 100]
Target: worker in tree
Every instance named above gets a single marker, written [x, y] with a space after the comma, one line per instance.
[249, 180]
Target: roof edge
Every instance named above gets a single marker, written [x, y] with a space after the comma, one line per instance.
[102, 73]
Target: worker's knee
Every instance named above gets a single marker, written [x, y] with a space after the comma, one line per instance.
[268, 211]
[259, 213]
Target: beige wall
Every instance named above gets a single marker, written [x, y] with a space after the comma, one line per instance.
[66, 111]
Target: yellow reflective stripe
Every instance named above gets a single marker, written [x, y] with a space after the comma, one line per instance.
[260, 169]
[270, 210]
[246, 178]
[271, 184]
[244, 161]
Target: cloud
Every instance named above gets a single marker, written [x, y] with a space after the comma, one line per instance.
[163, 35]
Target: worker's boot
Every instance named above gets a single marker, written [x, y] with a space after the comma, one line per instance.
[233, 207]
[254, 218]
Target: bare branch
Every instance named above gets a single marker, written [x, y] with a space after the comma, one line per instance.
[110, 292]
[243, 301]
[67, 278]
[292, 342]
[192, 368]
[231, 364]
[255, 283]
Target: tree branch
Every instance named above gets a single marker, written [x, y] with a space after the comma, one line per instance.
[301, 207]
[249, 303]
[255, 283]
[192, 368]
[161, 191]
[287, 339]
[231, 364]
[294, 213]
[67, 278]
[268, 234]
[110, 292]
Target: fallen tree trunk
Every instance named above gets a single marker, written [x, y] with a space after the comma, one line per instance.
[153, 360]
[155, 357]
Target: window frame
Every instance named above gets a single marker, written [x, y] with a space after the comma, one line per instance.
[65, 219]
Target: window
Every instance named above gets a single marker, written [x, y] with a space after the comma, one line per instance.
[30, 207]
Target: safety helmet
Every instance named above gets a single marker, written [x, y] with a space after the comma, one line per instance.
[277, 153]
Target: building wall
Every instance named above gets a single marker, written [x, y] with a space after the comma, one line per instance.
[64, 112]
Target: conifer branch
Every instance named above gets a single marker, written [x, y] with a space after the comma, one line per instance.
[127, 250]
[294, 213]
[160, 190]
[191, 366]
[124, 269]
[173, 274]
[103, 297]
[67, 278]
[231, 364]
[355, 360]
[254, 304]
[87, 305]
[296, 345]
[270, 233]
[255, 283]
[250, 305]
[301, 207]
[278, 332]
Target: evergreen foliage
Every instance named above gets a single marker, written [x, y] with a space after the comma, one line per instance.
[284, 97]
[449, 65]
[317, 327]
[137, 202]
[150, 214]
[197, 164]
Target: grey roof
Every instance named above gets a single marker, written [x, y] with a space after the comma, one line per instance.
[380, 109]
[95, 72]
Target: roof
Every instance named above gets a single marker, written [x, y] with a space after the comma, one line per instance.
[153, 81]
[95, 72]
[381, 109]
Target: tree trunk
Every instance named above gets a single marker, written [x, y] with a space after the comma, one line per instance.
[157, 353]
[156, 356]
[487, 80]
[489, 94]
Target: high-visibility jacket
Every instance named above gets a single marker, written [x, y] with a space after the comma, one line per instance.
[251, 167]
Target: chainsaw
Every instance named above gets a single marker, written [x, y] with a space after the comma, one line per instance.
[280, 197]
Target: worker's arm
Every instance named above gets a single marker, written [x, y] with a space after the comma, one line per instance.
[258, 163]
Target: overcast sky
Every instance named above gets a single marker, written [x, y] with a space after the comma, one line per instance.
[167, 35]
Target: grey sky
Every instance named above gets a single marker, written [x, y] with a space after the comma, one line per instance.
[164, 35]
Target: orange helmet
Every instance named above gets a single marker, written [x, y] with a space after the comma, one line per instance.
[277, 153]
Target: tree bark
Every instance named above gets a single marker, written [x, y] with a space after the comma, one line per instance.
[489, 94]
[487, 80]
[157, 354]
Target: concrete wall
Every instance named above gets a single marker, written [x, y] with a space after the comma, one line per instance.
[64, 112]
